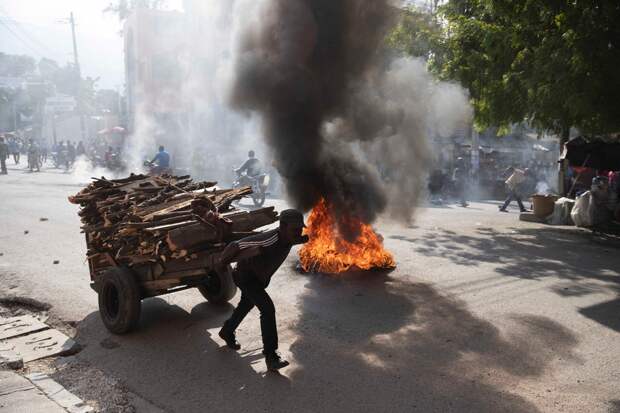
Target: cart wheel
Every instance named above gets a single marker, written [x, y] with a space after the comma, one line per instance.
[220, 288]
[119, 300]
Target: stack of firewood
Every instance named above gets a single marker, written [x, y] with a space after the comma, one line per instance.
[143, 219]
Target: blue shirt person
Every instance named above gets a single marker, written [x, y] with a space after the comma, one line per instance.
[162, 159]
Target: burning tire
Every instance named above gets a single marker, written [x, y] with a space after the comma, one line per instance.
[219, 288]
[119, 300]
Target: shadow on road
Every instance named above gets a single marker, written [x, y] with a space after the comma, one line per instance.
[359, 343]
[607, 314]
[377, 344]
[531, 253]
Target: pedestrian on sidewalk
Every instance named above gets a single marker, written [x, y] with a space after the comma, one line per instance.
[258, 257]
[4, 155]
[515, 185]
[459, 177]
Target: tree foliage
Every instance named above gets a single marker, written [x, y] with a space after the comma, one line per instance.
[418, 33]
[16, 65]
[553, 63]
[47, 78]
[123, 8]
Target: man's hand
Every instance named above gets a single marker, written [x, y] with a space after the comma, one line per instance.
[228, 255]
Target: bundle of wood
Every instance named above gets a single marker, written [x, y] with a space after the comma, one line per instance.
[141, 219]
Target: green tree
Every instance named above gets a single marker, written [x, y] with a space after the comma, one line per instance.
[554, 63]
[418, 33]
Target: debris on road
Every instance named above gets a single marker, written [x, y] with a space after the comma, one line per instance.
[43, 219]
[56, 262]
[142, 219]
[37, 345]
[17, 326]
[9, 360]
[26, 232]
[18, 301]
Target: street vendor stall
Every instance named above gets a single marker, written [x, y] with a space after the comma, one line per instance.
[602, 153]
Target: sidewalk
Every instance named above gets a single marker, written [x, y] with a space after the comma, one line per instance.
[36, 394]
[18, 394]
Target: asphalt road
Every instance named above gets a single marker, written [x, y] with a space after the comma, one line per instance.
[484, 313]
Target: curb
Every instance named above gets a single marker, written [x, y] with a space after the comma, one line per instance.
[57, 393]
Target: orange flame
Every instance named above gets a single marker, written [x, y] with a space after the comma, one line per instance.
[328, 252]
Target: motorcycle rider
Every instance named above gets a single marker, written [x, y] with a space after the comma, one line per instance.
[161, 161]
[252, 167]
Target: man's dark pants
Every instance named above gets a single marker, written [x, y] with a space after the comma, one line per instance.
[513, 195]
[253, 294]
[3, 165]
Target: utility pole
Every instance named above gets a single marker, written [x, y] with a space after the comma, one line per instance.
[79, 79]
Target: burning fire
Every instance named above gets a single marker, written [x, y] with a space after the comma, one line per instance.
[328, 252]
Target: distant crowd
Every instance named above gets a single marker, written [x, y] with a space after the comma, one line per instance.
[62, 154]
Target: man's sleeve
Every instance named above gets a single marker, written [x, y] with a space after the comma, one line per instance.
[260, 241]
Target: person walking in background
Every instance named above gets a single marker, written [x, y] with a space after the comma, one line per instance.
[4, 155]
[14, 150]
[71, 152]
[43, 152]
[34, 156]
[80, 150]
[515, 186]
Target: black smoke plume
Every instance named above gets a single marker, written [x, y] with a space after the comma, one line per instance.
[300, 64]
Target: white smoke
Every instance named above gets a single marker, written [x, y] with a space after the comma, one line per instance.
[209, 138]
[203, 136]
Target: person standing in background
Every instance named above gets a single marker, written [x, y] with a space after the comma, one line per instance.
[459, 177]
[4, 155]
[14, 150]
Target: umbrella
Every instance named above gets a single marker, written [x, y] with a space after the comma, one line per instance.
[109, 131]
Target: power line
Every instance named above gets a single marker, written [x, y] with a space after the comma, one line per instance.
[17, 25]
[29, 36]
[21, 40]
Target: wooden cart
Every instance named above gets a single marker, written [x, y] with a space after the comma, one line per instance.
[121, 289]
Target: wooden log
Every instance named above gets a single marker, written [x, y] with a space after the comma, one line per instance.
[253, 219]
[188, 236]
[170, 227]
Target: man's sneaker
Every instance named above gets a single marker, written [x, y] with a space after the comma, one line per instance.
[275, 362]
[230, 339]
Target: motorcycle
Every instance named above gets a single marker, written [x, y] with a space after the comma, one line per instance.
[115, 163]
[258, 183]
[61, 159]
[155, 170]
